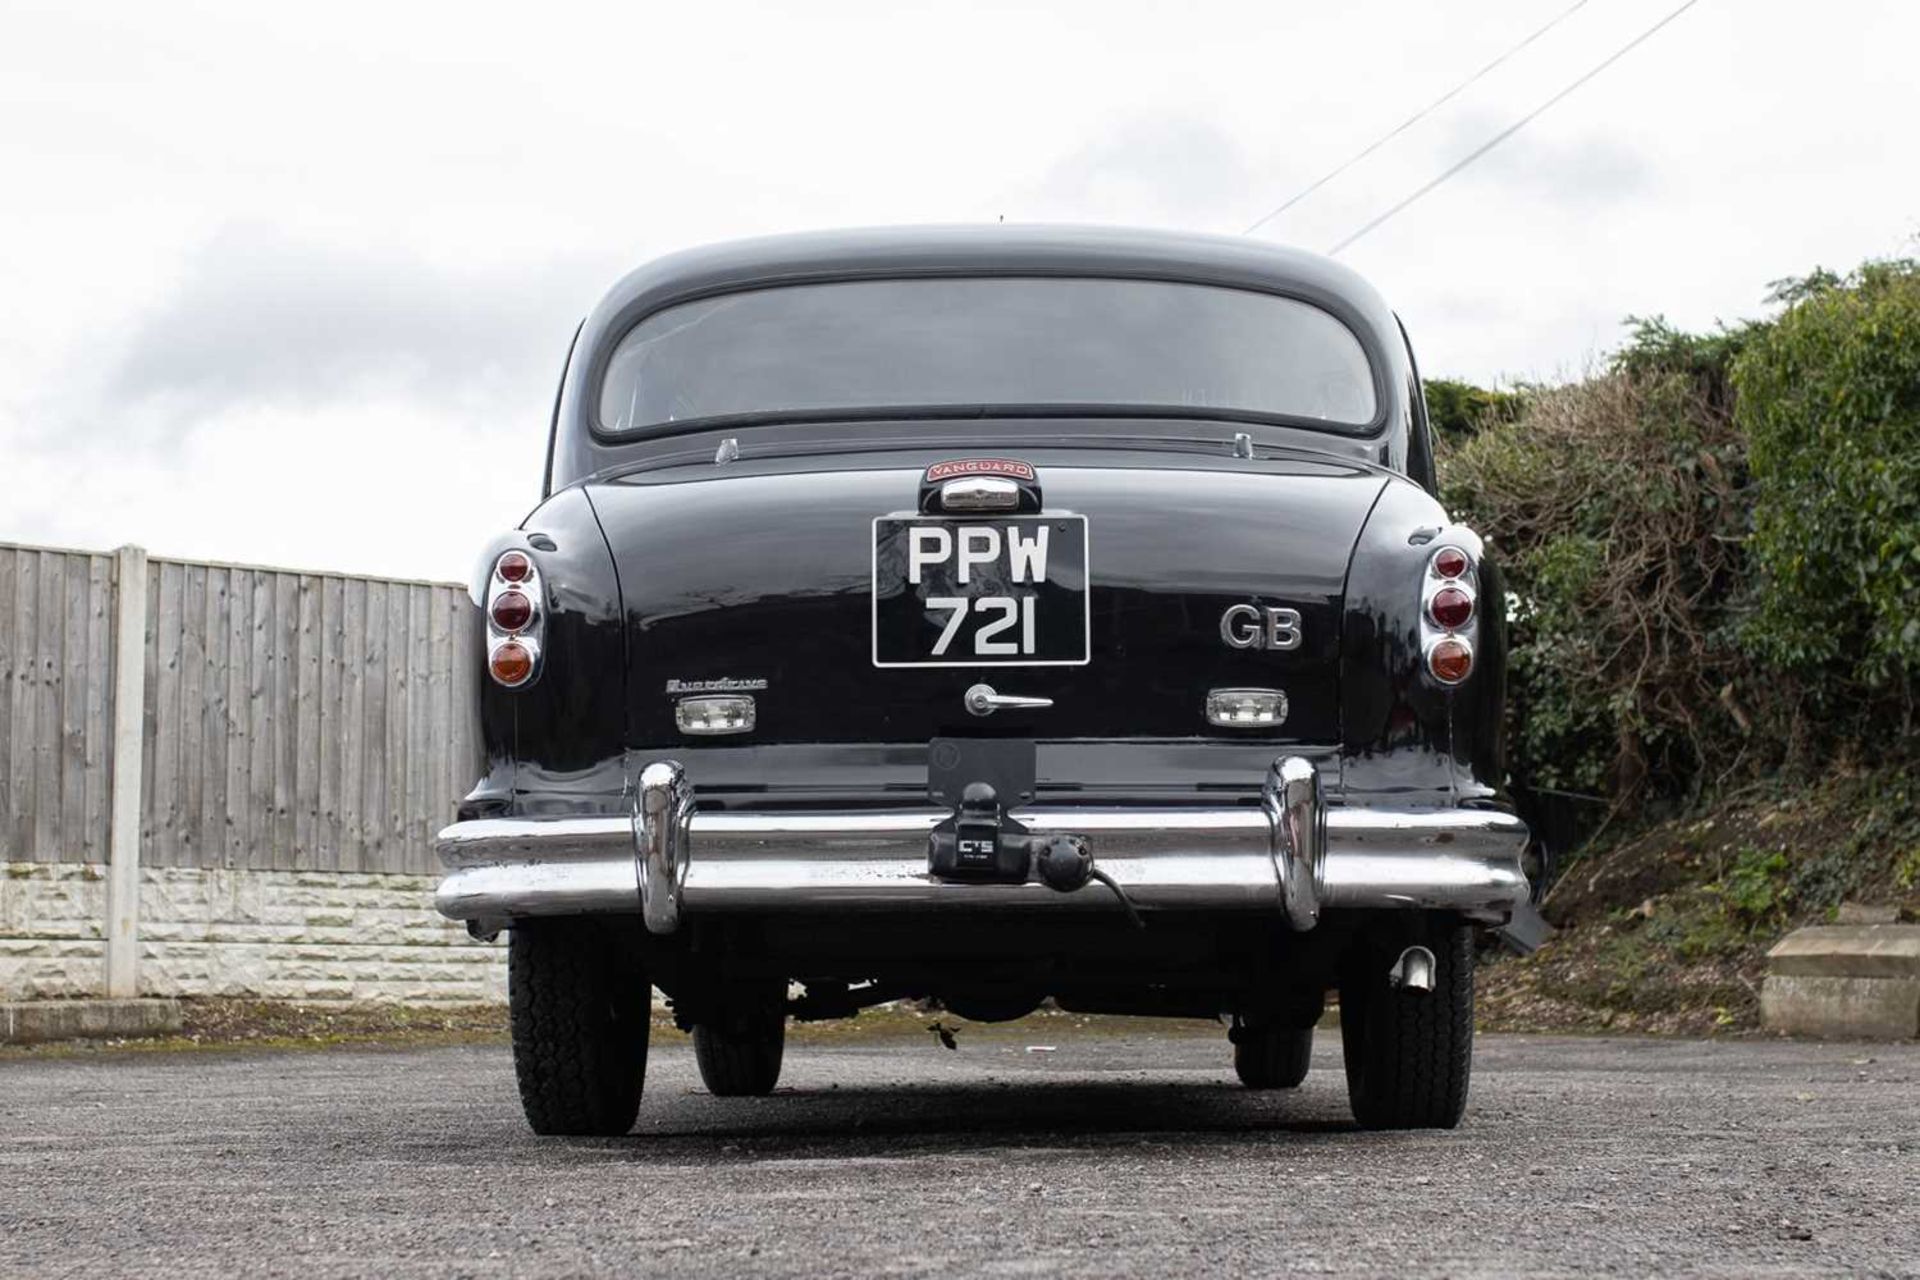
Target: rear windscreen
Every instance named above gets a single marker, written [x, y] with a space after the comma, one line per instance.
[988, 343]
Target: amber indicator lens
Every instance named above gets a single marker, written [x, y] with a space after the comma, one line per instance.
[511, 663]
[1451, 562]
[514, 567]
[1451, 607]
[1451, 660]
[512, 610]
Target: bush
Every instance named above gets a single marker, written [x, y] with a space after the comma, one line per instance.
[1829, 399]
[1460, 409]
[1654, 347]
[1614, 505]
[1713, 545]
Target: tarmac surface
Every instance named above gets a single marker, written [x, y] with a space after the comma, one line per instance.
[1109, 1155]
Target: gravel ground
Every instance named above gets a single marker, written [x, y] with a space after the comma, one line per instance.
[1109, 1155]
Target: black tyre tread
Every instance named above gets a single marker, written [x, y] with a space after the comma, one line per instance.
[1409, 1055]
[1273, 1057]
[580, 1023]
[741, 1058]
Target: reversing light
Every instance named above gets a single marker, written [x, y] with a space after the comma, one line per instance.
[726, 713]
[511, 663]
[514, 567]
[1451, 607]
[512, 610]
[1246, 708]
[1450, 659]
[1450, 562]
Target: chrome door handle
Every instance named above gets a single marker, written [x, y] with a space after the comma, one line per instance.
[983, 701]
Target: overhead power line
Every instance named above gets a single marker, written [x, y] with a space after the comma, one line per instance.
[1406, 124]
[1515, 127]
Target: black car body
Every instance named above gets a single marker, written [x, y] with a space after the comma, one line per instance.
[989, 615]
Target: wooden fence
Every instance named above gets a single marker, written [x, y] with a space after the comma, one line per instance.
[56, 704]
[293, 721]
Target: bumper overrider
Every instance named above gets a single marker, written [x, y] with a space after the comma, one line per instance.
[1294, 854]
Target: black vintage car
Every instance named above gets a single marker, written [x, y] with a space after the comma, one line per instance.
[989, 615]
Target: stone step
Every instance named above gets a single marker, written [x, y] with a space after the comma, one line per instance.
[1846, 982]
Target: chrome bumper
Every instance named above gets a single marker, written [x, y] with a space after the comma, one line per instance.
[1294, 854]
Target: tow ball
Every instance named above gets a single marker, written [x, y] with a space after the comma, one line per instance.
[980, 844]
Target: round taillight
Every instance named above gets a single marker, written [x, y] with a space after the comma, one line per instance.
[514, 567]
[1451, 562]
[1451, 607]
[511, 663]
[1450, 660]
[512, 610]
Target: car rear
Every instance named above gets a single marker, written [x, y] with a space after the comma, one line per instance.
[926, 620]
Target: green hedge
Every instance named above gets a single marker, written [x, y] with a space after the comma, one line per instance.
[1829, 399]
[1713, 546]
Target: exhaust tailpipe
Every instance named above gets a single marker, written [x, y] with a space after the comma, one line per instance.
[1413, 971]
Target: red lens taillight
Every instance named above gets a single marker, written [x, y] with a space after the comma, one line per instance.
[511, 663]
[514, 567]
[1450, 659]
[516, 631]
[1451, 608]
[1449, 595]
[1451, 562]
[512, 611]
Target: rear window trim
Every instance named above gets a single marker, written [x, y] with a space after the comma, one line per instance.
[618, 334]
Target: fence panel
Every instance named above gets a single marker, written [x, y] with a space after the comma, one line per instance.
[286, 704]
[56, 703]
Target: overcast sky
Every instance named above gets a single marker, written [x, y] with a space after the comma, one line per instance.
[292, 284]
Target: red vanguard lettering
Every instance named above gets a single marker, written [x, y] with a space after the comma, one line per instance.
[1011, 468]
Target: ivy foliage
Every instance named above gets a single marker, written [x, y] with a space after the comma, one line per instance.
[1829, 400]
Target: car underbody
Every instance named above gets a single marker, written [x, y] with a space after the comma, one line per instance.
[993, 967]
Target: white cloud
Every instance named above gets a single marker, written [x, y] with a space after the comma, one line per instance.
[1160, 170]
[295, 284]
[261, 320]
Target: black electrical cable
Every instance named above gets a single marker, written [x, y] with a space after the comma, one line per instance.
[1133, 912]
[1406, 124]
[1515, 127]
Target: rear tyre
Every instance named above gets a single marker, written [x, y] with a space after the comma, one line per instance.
[581, 1009]
[1409, 1053]
[1272, 1055]
[739, 1050]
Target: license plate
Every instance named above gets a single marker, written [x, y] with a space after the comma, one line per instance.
[1004, 592]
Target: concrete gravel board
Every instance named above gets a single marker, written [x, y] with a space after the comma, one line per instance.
[27, 1021]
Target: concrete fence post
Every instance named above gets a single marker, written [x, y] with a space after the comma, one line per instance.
[129, 715]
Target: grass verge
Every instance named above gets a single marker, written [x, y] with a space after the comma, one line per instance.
[224, 1024]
